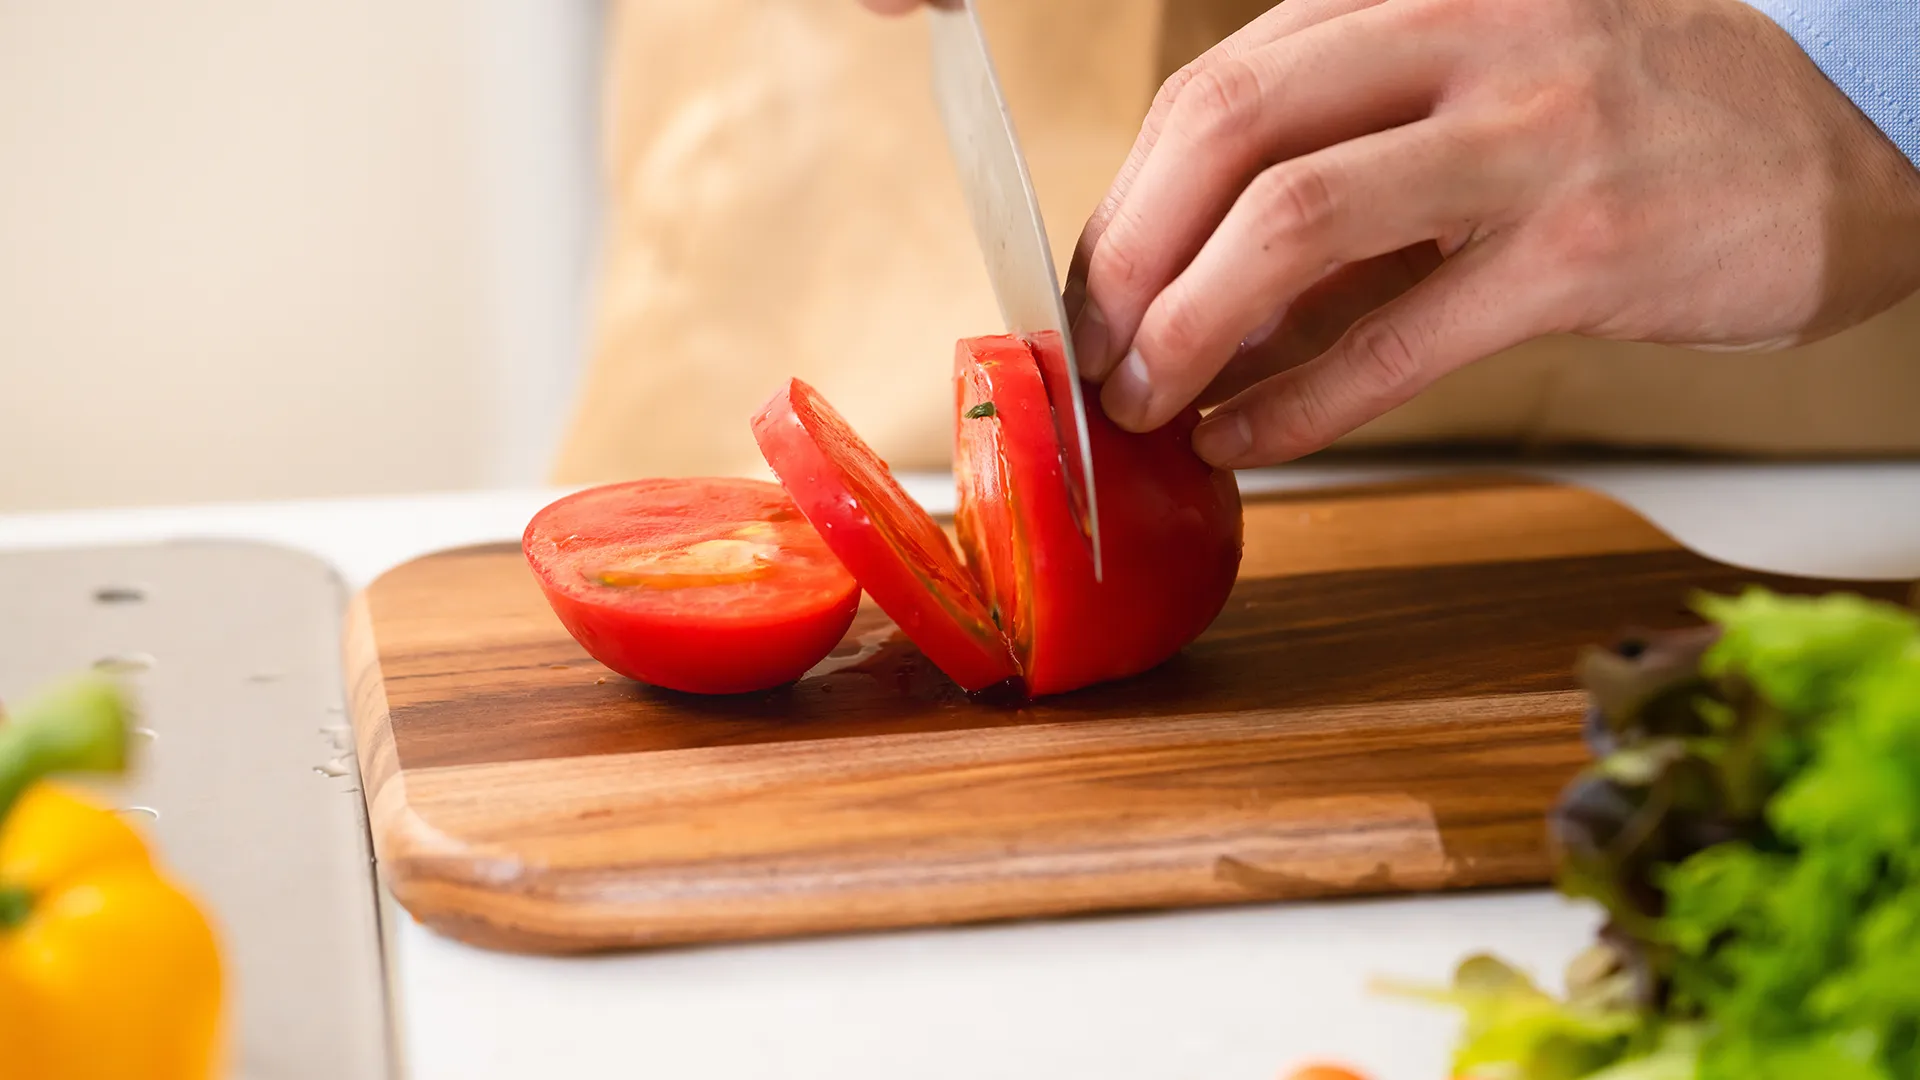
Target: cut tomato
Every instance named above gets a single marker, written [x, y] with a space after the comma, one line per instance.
[892, 545]
[1324, 1072]
[1170, 525]
[712, 586]
[1024, 601]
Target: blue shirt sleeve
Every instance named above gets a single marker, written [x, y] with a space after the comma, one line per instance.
[1871, 51]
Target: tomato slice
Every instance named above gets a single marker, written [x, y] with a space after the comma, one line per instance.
[711, 586]
[1170, 526]
[892, 545]
[1024, 602]
[992, 534]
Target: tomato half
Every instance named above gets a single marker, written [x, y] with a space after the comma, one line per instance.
[710, 586]
[1170, 525]
[895, 549]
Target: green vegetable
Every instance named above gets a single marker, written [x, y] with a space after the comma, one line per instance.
[1752, 829]
[982, 411]
[1513, 1028]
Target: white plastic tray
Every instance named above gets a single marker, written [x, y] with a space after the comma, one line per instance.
[246, 781]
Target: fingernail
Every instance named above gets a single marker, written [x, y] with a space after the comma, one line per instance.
[1128, 393]
[1090, 343]
[1223, 437]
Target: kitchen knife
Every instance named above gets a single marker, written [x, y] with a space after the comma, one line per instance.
[1006, 219]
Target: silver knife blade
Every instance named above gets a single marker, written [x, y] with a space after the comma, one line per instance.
[1013, 239]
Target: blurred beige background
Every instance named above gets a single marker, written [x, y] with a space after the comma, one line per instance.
[306, 249]
[289, 249]
[782, 204]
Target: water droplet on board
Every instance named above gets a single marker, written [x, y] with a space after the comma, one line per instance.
[340, 766]
[125, 663]
[865, 647]
[147, 733]
[148, 811]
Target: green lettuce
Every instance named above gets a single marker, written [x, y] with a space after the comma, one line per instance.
[1514, 1029]
[1751, 827]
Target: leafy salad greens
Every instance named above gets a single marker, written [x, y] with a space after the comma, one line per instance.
[1751, 826]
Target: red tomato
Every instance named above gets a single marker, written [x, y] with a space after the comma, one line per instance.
[705, 586]
[1324, 1072]
[1170, 525]
[891, 544]
[1025, 601]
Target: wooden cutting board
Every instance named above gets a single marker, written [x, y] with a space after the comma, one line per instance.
[1386, 705]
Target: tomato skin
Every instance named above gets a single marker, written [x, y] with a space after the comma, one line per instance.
[1324, 1072]
[728, 638]
[736, 659]
[891, 545]
[1171, 526]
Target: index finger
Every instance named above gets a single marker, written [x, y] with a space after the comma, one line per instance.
[1341, 80]
[1289, 17]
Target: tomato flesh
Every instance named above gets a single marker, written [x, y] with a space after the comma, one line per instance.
[899, 554]
[1170, 526]
[712, 586]
[991, 533]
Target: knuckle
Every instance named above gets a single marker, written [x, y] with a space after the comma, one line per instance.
[1580, 19]
[1170, 90]
[1588, 231]
[1167, 98]
[1561, 21]
[1295, 199]
[1299, 424]
[1179, 324]
[1217, 102]
[1583, 84]
[1569, 103]
[1386, 355]
[1559, 18]
[1431, 15]
[1116, 264]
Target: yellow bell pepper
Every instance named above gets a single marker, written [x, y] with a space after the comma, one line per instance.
[107, 970]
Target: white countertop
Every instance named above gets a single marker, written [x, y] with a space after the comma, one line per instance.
[1221, 994]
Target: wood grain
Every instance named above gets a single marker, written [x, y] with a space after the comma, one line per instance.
[1385, 705]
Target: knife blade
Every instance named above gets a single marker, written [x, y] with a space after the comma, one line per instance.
[1013, 239]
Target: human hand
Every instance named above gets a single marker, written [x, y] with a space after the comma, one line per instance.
[1349, 199]
[892, 7]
